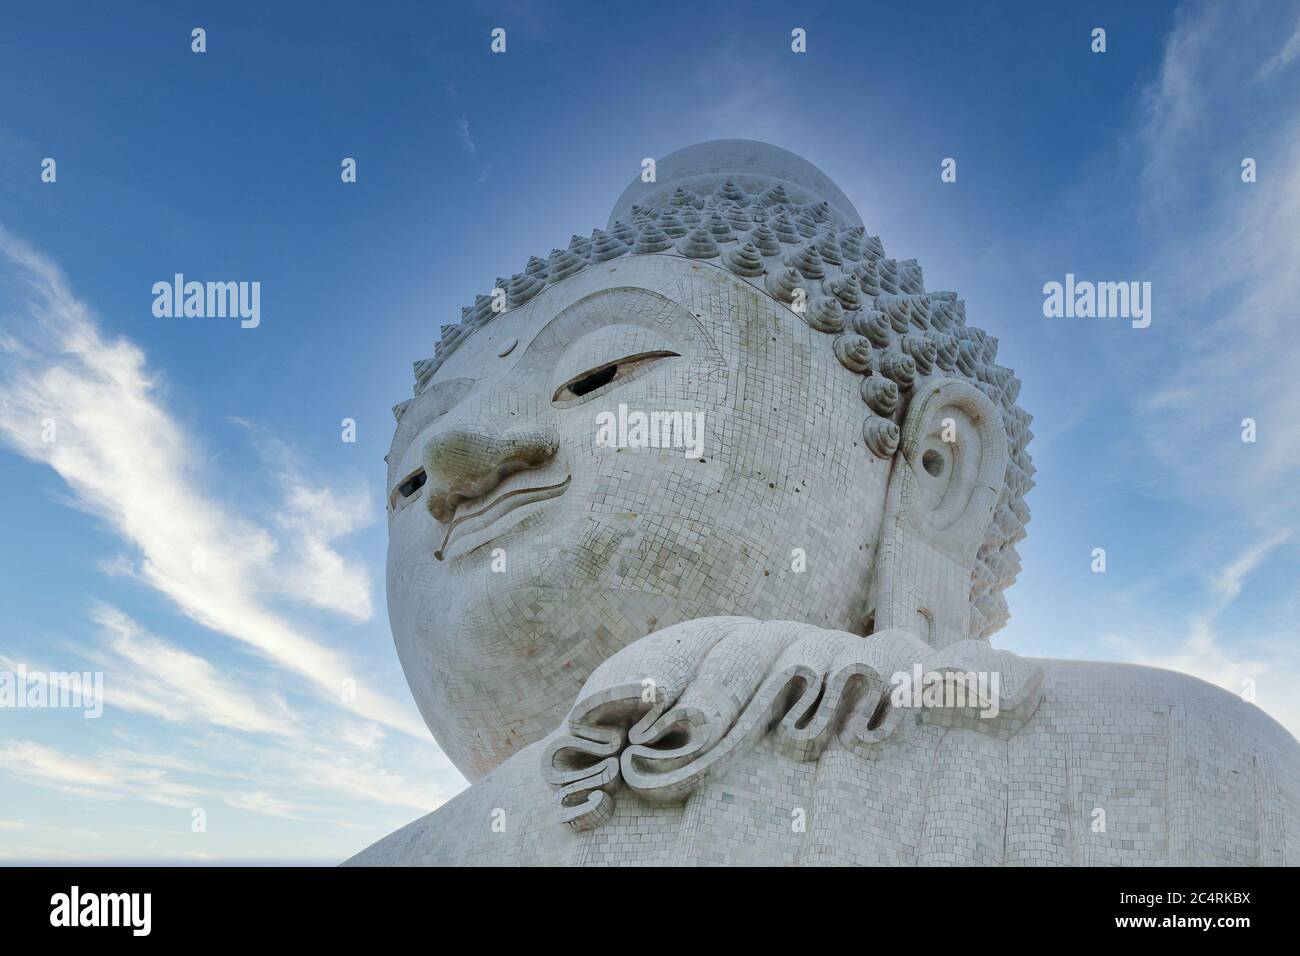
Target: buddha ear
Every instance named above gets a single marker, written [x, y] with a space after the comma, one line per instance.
[943, 488]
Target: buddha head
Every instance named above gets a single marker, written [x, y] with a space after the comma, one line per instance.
[728, 401]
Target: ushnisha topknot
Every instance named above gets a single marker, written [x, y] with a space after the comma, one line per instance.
[780, 225]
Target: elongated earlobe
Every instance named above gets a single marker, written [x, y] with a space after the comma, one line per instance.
[943, 489]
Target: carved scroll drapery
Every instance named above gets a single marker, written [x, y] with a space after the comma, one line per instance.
[680, 705]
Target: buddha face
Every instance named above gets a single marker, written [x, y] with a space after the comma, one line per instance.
[531, 537]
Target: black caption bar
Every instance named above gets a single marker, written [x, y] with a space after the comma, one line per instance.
[213, 904]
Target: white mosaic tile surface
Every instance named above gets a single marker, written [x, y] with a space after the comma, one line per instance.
[861, 480]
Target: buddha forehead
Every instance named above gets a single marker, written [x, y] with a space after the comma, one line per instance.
[708, 319]
[675, 297]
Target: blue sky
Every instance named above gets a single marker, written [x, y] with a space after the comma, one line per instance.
[223, 695]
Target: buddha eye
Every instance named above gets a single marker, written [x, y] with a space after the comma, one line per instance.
[593, 381]
[408, 487]
[611, 373]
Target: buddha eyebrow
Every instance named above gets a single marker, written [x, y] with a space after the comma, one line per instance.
[434, 402]
[441, 389]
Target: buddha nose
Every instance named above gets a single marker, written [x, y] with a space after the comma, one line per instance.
[469, 460]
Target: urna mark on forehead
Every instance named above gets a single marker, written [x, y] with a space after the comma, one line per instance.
[456, 378]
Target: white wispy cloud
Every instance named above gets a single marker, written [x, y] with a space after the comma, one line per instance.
[465, 136]
[311, 518]
[313, 571]
[127, 461]
[146, 674]
[365, 779]
[1270, 672]
[1231, 578]
[470, 146]
[293, 780]
[1227, 266]
[259, 801]
[105, 777]
[1284, 57]
[1227, 270]
[247, 738]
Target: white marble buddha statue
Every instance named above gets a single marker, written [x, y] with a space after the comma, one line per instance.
[770, 645]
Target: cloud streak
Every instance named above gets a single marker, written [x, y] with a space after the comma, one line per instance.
[152, 676]
[100, 778]
[1227, 266]
[1227, 269]
[465, 136]
[129, 463]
